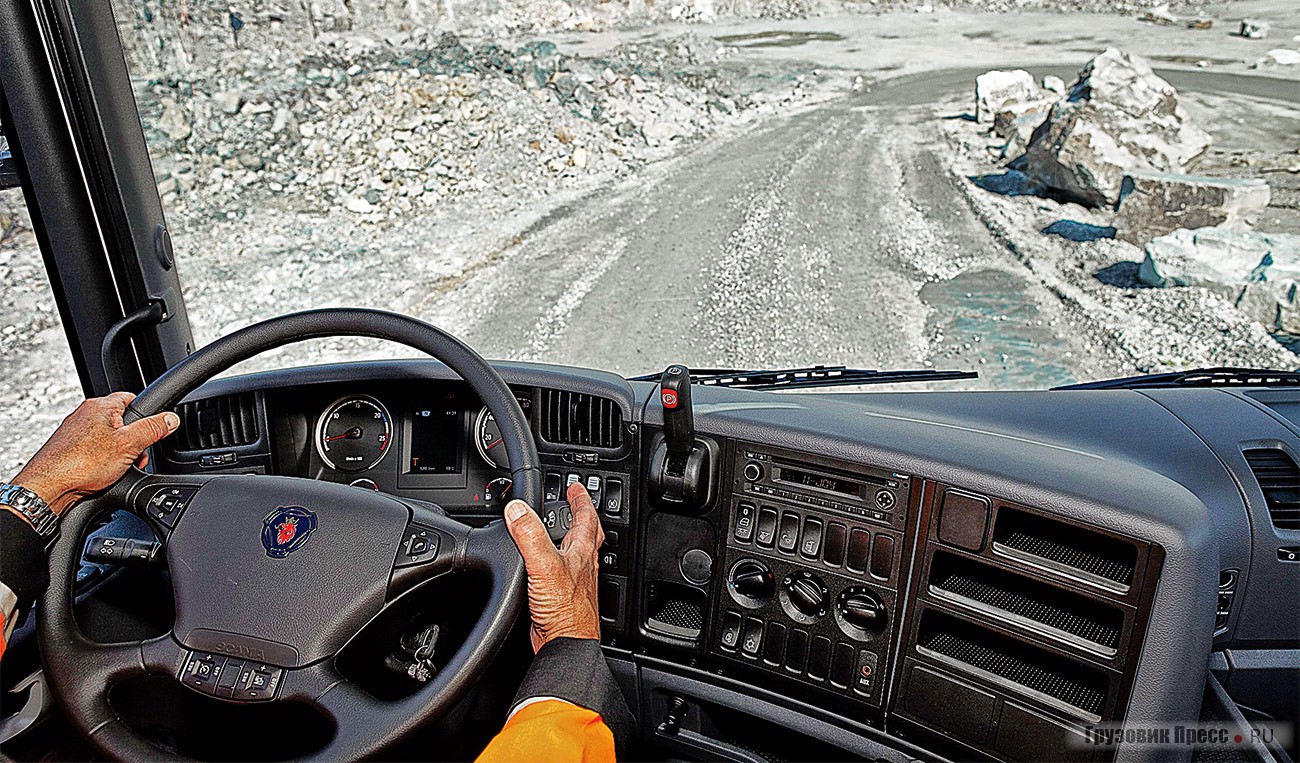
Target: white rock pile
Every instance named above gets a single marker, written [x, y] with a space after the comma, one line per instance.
[1118, 116]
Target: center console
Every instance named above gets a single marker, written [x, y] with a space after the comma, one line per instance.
[811, 570]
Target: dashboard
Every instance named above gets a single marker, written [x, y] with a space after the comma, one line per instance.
[888, 575]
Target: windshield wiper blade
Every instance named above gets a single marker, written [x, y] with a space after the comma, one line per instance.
[1223, 376]
[814, 376]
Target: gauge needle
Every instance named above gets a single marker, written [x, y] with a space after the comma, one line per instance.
[493, 445]
[351, 434]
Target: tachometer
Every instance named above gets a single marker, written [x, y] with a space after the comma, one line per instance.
[353, 435]
[487, 437]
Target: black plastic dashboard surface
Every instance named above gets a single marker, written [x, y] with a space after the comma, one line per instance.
[1162, 469]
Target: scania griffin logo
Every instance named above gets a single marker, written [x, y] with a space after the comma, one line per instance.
[286, 529]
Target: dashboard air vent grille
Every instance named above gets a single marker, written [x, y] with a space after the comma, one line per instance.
[1009, 596]
[574, 418]
[1073, 683]
[1279, 478]
[229, 421]
[1069, 550]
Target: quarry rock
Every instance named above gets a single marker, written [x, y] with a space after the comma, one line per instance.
[1253, 29]
[994, 90]
[1118, 117]
[1258, 272]
[1155, 203]
[1016, 122]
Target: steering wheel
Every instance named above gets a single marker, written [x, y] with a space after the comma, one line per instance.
[278, 573]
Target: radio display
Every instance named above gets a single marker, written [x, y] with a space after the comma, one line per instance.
[436, 437]
[821, 482]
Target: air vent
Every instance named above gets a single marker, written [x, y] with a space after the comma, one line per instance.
[1065, 549]
[573, 418]
[1279, 478]
[1013, 598]
[993, 654]
[218, 422]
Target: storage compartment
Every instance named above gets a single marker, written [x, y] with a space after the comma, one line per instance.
[992, 655]
[1041, 607]
[1024, 735]
[675, 610]
[948, 703]
[1069, 550]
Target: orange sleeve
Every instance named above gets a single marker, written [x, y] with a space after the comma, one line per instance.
[2, 637]
[552, 731]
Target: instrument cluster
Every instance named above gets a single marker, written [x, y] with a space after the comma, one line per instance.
[440, 444]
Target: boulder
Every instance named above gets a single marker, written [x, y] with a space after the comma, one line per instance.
[1257, 272]
[1155, 203]
[1118, 117]
[1253, 29]
[1054, 84]
[994, 90]
[1017, 121]
[1280, 57]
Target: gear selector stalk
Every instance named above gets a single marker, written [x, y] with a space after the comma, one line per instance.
[681, 464]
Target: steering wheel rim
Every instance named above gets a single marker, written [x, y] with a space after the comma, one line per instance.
[81, 672]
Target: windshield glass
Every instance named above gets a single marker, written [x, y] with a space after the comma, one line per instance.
[1079, 189]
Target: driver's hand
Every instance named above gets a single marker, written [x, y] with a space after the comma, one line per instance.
[561, 584]
[91, 450]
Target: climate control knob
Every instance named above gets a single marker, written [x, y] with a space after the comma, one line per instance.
[860, 612]
[750, 582]
[805, 597]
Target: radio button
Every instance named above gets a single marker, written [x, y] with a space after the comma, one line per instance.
[766, 527]
[837, 537]
[788, 538]
[811, 541]
[744, 527]
[859, 550]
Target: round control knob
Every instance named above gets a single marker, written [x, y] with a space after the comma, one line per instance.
[750, 582]
[753, 471]
[805, 596]
[860, 612]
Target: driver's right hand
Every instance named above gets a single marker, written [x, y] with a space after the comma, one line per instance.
[561, 583]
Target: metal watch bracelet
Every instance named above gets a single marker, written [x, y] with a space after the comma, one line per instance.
[31, 506]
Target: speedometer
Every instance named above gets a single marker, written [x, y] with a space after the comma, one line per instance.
[353, 434]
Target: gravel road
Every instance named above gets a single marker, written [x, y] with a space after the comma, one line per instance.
[835, 236]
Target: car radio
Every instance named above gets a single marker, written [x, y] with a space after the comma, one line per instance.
[870, 494]
[811, 567]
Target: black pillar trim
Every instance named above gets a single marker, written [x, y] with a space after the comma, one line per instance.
[71, 119]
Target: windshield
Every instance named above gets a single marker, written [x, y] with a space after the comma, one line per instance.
[624, 186]
[1084, 190]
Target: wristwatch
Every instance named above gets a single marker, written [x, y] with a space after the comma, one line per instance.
[31, 506]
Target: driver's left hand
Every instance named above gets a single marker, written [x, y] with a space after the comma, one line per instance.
[91, 450]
